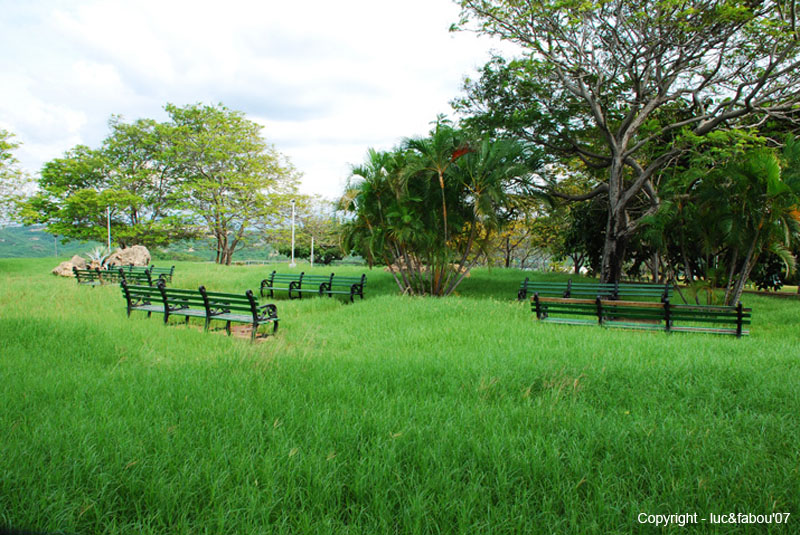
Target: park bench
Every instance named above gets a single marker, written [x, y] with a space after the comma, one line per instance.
[548, 289]
[298, 284]
[352, 286]
[156, 272]
[280, 282]
[131, 277]
[587, 290]
[164, 273]
[643, 315]
[200, 303]
[89, 277]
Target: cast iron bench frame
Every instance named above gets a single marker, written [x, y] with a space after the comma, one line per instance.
[643, 315]
[89, 277]
[316, 284]
[200, 303]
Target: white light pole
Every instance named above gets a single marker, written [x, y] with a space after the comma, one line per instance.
[312, 251]
[292, 264]
[108, 222]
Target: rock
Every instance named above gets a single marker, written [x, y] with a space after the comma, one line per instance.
[64, 269]
[138, 255]
[78, 261]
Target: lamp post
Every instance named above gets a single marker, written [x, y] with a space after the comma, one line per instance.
[108, 223]
[292, 264]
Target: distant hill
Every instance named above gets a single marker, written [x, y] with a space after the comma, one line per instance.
[34, 242]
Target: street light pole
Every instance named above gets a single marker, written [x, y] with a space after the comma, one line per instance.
[292, 264]
[108, 222]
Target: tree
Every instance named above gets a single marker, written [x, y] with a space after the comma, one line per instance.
[131, 175]
[13, 180]
[315, 217]
[227, 172]
[399, 214]
[618, 82]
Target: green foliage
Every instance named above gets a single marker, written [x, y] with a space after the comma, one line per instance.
[621, 89]
[728, 207]
[13, 181]
[206, 171]
[229, 177]
[433, 206]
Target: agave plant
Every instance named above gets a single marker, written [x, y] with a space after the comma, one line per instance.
[98, 255]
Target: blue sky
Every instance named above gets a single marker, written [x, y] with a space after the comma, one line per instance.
[327, 80]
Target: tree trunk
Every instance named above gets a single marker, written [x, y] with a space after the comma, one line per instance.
[616, 228]
[731, 272]
[747, 267]
[656, 265]
[614, 247]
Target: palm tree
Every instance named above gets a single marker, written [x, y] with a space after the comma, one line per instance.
[395, 217]
[437, 153]
[761, 190]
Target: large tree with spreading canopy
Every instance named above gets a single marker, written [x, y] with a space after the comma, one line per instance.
[617, 83]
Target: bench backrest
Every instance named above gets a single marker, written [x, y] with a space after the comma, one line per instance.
[344, 280]
[603, 290]
[139, 293]
[220, 302]
[275, 277]
[610, 310]
[180, 297]
[135, 277]
[87, 275]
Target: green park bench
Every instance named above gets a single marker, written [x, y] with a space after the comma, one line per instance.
[131, 277]
[164, 273]
[89, 277]
[155, 272]
[296, 284]
[543, 288]
[587, 290]
[352, 286]
[643, 315]
[200, 303]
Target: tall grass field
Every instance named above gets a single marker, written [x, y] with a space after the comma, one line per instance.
[394, 414]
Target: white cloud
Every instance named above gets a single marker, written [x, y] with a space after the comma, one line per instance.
[327, 79]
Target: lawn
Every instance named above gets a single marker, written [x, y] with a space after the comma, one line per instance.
[391, 415]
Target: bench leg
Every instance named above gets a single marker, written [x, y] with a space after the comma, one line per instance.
[274, 326]
[253, 333]
[228, 327]
[208, 323]
[187, 320]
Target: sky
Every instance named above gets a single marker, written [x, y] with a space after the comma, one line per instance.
[326, 79]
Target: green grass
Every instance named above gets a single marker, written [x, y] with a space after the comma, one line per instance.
[391, 415]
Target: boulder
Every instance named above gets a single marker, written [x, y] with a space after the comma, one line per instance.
[64, 269]
[138, 255]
